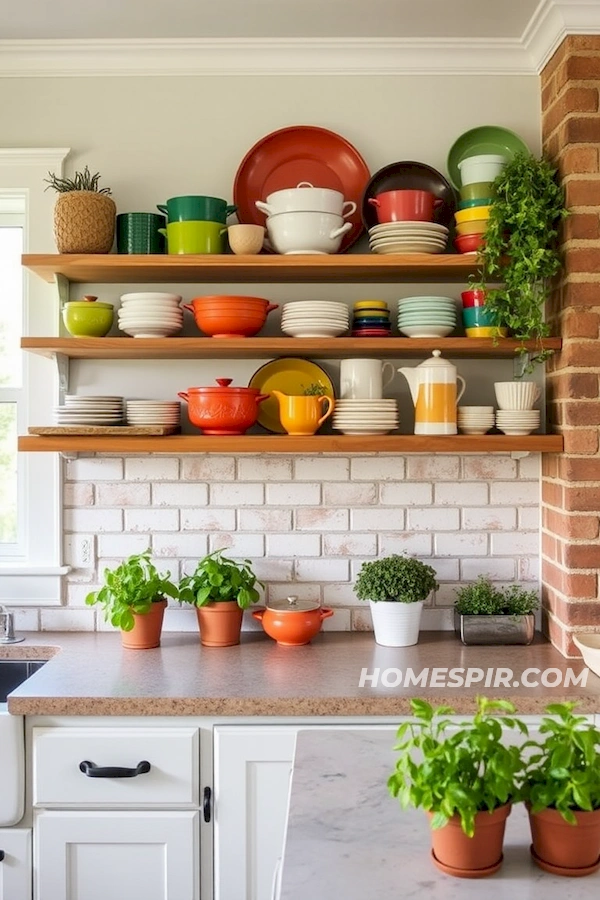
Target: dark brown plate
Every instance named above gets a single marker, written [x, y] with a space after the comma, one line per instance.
[410, 176]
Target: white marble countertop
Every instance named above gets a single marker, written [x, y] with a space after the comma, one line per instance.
[348, 839]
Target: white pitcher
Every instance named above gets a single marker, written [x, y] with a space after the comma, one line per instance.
[433, 389]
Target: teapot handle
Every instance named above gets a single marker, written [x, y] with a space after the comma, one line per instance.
[462, 390]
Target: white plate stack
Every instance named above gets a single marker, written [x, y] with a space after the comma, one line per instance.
[426, 317]
[313, 319]
[517, 421]
[408, 237]
[365, 416]
[79, 410]
[153, 412]
[150, 315]
[475, 419]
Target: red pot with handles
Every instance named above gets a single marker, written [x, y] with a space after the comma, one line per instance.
[405, 206]
[223, 409]
[292, 622]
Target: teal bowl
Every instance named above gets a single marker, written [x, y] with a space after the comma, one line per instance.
[476, 317]
[469, 204]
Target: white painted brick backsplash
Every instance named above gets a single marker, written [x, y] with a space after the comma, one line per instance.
[272, 568]
[377, 518]
[446, 594]
[266, 468]
[306, 591]
[530, 466]
[80, 550]
[322, 519]
[209, 519]
[433, 520]
[461, 544]
[207, 468]
[151, 520]
[489, 518]
[265, 520]
[151, 468]
[78, 494]
[237, 495]
[122, 545]
[294, 494]
[318, 469]
[300, 544]
[186, 494]
[529, 518]
[495, 569]
[528, 569]
[405, 542]
[176, 545]
[321, 569]
[434, 468]
[445, 569]
[238, 545]
[406, 494]
[68, 619]
[340, 595]
[518, 543]
[515, 493]
[380, 468]
[349, 494]
[123, 494]
[26, 619]
[354, 544]
[472, 493]
[92, 520]
[94, 469]
[488, 468]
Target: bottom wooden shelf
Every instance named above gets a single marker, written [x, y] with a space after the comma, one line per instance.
[284, 444]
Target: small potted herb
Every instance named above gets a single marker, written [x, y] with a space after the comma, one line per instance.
[486, 614]
[134, 600]
[84, 213]
[464, 777]
[396, 588]
[562, 792]
[220, 589]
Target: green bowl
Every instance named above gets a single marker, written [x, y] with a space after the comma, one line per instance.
[85, 319]
[478, 191]
[470, 204]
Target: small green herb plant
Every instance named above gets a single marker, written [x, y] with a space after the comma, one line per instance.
[402, 579]
[482, 598]
[563, 765]
[314, 389]
[522, 250]
[461, 771]
[81, 181]
[218, 579]
[131, 588]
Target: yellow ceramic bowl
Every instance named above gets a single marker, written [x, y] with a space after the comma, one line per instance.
[473, 214]
[370, 304]
[477, 226]
[489, 332]
[371, 313]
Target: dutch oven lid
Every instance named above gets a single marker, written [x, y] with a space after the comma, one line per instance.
[87, 301]
[293, 604]
[224, 388]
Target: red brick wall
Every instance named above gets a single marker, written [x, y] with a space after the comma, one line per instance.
[571, 480]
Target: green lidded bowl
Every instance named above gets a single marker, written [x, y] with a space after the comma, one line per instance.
[87, 317]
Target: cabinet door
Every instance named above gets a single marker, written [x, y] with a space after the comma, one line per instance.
[15, 864]
[252, 768]
[129, 855]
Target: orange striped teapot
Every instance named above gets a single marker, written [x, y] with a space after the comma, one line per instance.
[433, 387]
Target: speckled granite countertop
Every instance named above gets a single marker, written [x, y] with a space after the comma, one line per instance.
[91, 675]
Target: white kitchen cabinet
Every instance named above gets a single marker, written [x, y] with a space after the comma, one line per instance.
[106, 855]
[15, 864]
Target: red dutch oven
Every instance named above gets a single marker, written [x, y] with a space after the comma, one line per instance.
[223, 409]
[292, 622]
[405, 206]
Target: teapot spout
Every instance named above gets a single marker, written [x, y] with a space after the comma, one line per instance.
[412, 376]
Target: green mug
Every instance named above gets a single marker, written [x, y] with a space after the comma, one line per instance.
[195, 237]
[196, 208]
[138, 232]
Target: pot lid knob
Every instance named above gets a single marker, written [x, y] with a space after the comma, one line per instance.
[224, 382]
[292, 602]
[90, 298]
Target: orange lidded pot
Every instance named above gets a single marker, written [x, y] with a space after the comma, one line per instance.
[292, 622]
[223, 409]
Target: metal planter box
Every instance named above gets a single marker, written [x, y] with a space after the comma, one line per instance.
[494, 629]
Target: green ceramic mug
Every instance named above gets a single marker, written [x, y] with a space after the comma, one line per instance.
[196, 208]
[195, 237]
[138, 232]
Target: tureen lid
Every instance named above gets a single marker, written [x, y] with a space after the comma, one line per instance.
[293, 604]
[88, 300]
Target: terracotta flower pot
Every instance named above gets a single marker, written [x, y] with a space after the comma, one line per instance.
[147, 628]
[220, 624]
[563, 848]
[456, 854]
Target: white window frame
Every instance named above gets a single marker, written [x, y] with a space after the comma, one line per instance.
[34, 577]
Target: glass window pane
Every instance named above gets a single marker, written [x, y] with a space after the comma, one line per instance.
[11, 305]
[8, 473]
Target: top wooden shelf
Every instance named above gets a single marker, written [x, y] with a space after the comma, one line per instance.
[116, 268]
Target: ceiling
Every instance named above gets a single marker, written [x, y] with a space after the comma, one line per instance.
[74, 19]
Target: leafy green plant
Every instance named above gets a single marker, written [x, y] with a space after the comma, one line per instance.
[314, 389]
[563, 768]
[522, 250]
[482, 598]
[131, 588]
[218, 579]
[461, 770]
[403, 579]
[81, 181]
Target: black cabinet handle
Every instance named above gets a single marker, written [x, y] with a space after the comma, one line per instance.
[1, 855]
[206, 804]
[93, 771]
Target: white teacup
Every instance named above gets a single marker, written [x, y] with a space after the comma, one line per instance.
[516, 394]
[364, 379]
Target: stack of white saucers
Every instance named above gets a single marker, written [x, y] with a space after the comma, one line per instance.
[315, 318]
[153, 412]
[408, 237]
[365, 416]
[475, 419]
[150, 314]
[427, 317]
[80, 410]
[517, 421]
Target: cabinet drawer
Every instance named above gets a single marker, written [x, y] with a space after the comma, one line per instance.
[172, 779]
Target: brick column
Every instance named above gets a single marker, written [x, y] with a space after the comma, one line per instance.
[571, 480]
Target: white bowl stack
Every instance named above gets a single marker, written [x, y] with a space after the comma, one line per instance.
[150, 314]
[475, 419]
[517, 421]
[408, 237]
[365, 416]
[426, 317]
[515, 414]
[153, 412]
[99, 410]
[307, 319]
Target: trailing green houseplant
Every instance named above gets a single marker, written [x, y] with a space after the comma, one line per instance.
[521, 249]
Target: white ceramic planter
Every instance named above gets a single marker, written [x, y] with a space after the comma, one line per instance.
[476, 169]
[396, 624]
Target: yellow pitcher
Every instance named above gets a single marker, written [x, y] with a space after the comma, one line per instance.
[300, 414]
[433, 389]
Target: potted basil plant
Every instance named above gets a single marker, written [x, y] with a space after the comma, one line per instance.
[487, 614]
[220, 589]
[396, 588]
[134, 599]
[464, 777]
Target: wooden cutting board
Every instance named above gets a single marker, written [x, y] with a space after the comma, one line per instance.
[156, 430]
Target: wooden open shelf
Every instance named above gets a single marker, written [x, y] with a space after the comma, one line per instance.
[267, 347]
[286, 444]
[369, 267]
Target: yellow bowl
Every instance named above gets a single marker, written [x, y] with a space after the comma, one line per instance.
[473, 214]
[477, 226]
[371, 313]
[488, 332]
[370, 304]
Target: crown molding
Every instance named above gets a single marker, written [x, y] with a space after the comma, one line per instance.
[33, 156]
[552, 21]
